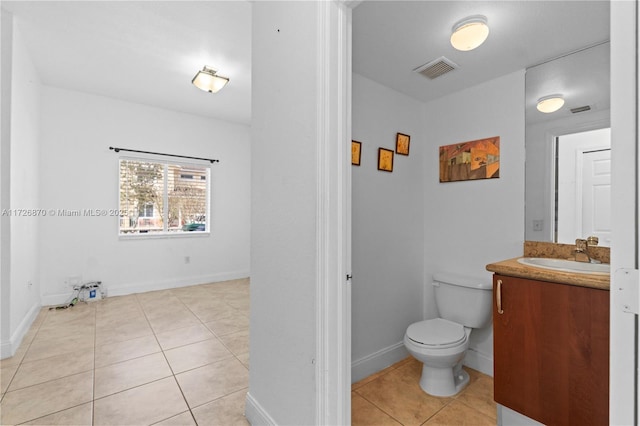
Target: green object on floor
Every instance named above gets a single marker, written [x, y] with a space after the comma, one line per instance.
[68, 305]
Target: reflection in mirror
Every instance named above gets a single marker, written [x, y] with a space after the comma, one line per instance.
[583, 186]
[560, 152]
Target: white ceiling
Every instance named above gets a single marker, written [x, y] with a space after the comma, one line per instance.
[142, 51]
[148, 51]
[392, 38]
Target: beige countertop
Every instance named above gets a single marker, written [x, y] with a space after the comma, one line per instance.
[513, 268]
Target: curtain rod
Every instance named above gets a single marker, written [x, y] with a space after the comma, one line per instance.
[160, 153]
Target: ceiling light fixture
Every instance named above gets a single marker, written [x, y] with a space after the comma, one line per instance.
[550, 103]
[470, 32]
[208, 80]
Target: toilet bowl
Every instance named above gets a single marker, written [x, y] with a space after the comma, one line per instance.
[441, 343]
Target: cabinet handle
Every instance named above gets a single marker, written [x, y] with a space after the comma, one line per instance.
[499, 297]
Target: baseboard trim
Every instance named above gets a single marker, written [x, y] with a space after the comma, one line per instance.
[255, 413]
[479, 361]
[9, 348]
[379, 360]
[143, 287]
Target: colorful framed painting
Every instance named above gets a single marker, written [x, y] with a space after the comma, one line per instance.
[478, 159]
[356, 152]
[385, 160]
[402, 144]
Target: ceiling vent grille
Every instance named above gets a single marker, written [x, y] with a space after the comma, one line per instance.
[436, 68]
[580, 109]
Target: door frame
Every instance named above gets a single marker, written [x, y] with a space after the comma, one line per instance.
[624, 344]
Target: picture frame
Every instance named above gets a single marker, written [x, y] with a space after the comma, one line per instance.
[402, 143]
[471, 160]
[385, 160]
[356, 152]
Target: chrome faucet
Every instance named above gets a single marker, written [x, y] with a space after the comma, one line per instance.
[581, 251]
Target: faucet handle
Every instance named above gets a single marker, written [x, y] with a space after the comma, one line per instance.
[592, 241]
[581, 254]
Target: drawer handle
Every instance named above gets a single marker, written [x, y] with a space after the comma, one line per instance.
[499, 297]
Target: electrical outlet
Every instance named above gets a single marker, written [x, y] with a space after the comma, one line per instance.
[538, 225]
[187, 259]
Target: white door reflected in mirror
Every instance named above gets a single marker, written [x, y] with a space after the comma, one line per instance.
[583, 204]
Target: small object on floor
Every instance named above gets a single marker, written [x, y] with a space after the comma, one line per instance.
[90, 291]
[67, 305]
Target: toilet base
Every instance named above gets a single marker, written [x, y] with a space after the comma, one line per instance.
[443, 381]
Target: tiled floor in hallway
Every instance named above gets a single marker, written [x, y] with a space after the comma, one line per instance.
[171, 357]
[181, 357]
[394, 397]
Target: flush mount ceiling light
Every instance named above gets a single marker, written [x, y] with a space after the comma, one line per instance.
[550, 103]
[208, 80]
[470, 32]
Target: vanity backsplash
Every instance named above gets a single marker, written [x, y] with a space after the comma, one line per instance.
[562, 251]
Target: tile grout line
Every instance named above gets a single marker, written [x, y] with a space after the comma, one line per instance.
[37, 384]
[25, 354]
[475, 409]
[94, 313]
[391, 368]
[216, 335]
[155, 336]
[223, 344]
[379, 408]
[447, 404]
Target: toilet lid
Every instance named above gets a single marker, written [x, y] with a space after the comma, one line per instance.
[437, 333]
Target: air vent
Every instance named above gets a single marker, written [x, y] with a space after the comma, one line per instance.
[435, 69]
[580, 109]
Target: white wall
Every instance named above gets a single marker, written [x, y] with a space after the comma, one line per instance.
[387, 227]
[78, 171]
[301, 86]
[20, 243]
[470, 224]
[25, 116]
[6, 52]
[283, 219]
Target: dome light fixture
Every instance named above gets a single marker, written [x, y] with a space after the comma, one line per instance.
[549, 104]
[208, 80]
[470, 32]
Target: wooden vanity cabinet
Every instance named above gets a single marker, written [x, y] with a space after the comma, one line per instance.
[551, 351]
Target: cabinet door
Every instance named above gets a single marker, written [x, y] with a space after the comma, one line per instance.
[551, 351]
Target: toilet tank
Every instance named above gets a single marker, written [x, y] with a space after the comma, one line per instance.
[462, 299]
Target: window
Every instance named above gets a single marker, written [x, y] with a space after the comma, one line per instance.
[147, 210]
[163, 197]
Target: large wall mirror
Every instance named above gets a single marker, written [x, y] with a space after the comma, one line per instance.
[567, 183]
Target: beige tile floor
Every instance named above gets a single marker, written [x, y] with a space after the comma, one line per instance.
[181, 357]
[393, 397]
[171, 357]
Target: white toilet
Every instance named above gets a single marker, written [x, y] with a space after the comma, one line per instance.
[440, 344]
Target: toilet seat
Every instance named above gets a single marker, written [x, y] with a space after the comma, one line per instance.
[437, 333]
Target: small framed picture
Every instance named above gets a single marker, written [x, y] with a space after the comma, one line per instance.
[356, 151]
[385, 160]
[402, 144]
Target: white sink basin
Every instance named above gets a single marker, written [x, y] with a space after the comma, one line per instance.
[566, 265]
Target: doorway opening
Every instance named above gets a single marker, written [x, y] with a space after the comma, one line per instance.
[583, 186]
